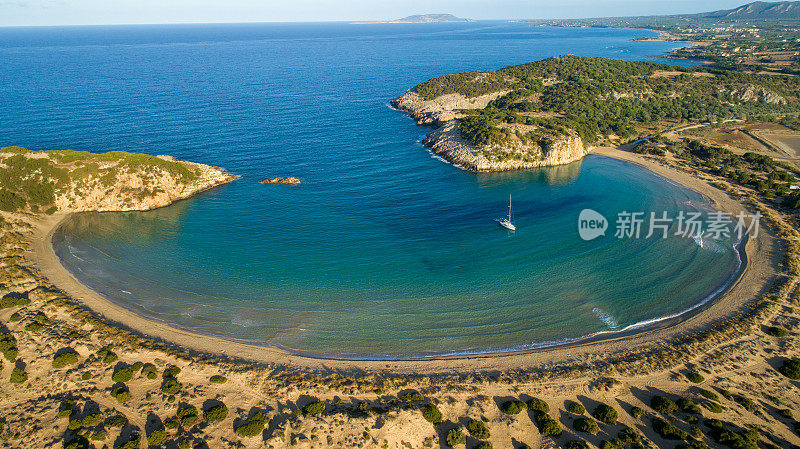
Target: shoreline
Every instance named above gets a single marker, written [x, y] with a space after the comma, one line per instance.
[701, 315]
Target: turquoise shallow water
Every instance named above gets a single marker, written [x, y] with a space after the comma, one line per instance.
[382, 251]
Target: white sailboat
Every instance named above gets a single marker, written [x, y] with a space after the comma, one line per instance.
[508, 222]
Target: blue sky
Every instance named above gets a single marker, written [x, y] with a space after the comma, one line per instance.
[98, 12]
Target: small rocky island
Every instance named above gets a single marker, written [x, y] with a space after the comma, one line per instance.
[554, 111]
[430, 18]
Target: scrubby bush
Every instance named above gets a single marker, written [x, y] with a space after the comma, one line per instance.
[708, 394]
[14, 299]
[253, 426]
[133, 442]
[123, 373]
[86, 375]
[215, 413]
[15, 317]
[171, 371]
[587, 425]
[171, 386]
[33, 327]
[688, 406]
[663, 405]
[513, 407]
[790, 368]
[605, 413]
[313, 408]
[667, 430]
[547, 425]
[65, 357]
[217, 379]
[8, 346]
[188, 416]
[484, 445]
[713, 407]
[412, 396]
[777, 331]
[785, 413]
[478, 429]
[120, 393]
[629, 435]
[637, 412]
[106, 356]
[613, 444]
[695, 377]
[692, 445]
[576, 444]
[432, 414]
[576, 408]
[745, 402]
[538, 405]
[18, 375]
[116, 421]
[149, 370]
[156, 437]
[456, 437]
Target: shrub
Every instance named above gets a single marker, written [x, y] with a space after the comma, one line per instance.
[576, 444]
[86, 375]
[628, 435]
[432, 414]
[218, 379]
[15, 317]
[637, 412]
[156, 437]
[692, 445]
[137, 366]
[777, 331]
[107, 356]
[538, 405]
[708, 394]
[215, 413]
[695, 377]
[413, 396]
[65, 357]
[313, 408]
[613, 444]
[172, 423]
[456, 437]
[14, 299]
[713, 407]
[120, 393]
[133, 442]
[171, 386]
[117, 421]
[667, 430]
[547, 425]
[478, 429]
[790, 368]
[785, 413]
[513, 407]
[33, 327]
[8, 346]
[122, 373]
[18, 375]
[745, 402]
[576, 408]
[587, 425]
[253, 426]
[188, 416]
[171, 371]
[605, 413]
[663, 405]
[149, 370]
[688, 406]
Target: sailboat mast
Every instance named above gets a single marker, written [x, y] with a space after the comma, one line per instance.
[509, 208]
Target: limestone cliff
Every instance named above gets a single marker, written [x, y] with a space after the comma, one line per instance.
[73, 181]
[447, 141]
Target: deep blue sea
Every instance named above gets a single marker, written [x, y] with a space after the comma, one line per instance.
[382, 250]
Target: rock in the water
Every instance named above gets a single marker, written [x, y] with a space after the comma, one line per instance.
[270, 180]
[289, 180]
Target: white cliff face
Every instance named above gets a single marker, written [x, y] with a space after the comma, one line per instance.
[448, 143]
[142, 188]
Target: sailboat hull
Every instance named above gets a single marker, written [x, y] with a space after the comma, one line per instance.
[507, 224]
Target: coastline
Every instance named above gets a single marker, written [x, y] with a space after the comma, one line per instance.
[754, 277]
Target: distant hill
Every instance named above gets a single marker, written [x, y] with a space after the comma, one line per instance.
[755, 10]
[430, 18]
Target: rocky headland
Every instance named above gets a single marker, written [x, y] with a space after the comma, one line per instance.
[448, 142]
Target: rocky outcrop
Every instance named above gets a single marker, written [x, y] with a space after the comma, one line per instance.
[290, 180]
[447, 142]
[142, 187]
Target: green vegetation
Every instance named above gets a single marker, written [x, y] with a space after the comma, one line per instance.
[688, 406]
[8, 346]
[587, 425]
[663, 405]
[253, 426]
[65, 357]
[123, 373]
[637, 412]
[107, 356]
[116, 421]
[121, 393]
[695, 377]
[595, 97]
[32, 182]
[413, 396]
[188, 416]
[215, 413]
[432, 414]
[455, 437]
[18, 375]
[605, 413]
[576, 444]
[478, 429]
[217, 379]
[667, 430]
[171, 386]
[538, 405]
[156, 437]
[576, 408]
[513, 407]
[13, 299]
[484, 445]
[313, 408]
[776, 331]
[149, 370]
[708, 394]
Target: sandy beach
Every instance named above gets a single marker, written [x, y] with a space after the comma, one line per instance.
[755, 279]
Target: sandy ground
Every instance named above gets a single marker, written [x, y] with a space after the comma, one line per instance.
[761, 252]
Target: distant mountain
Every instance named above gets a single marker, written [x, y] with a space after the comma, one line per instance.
[755, 10]
[430, 18]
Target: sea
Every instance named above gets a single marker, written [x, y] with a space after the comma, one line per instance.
[383, 251]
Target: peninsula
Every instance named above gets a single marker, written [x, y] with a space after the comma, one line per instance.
[556, 110]
[425, 18]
